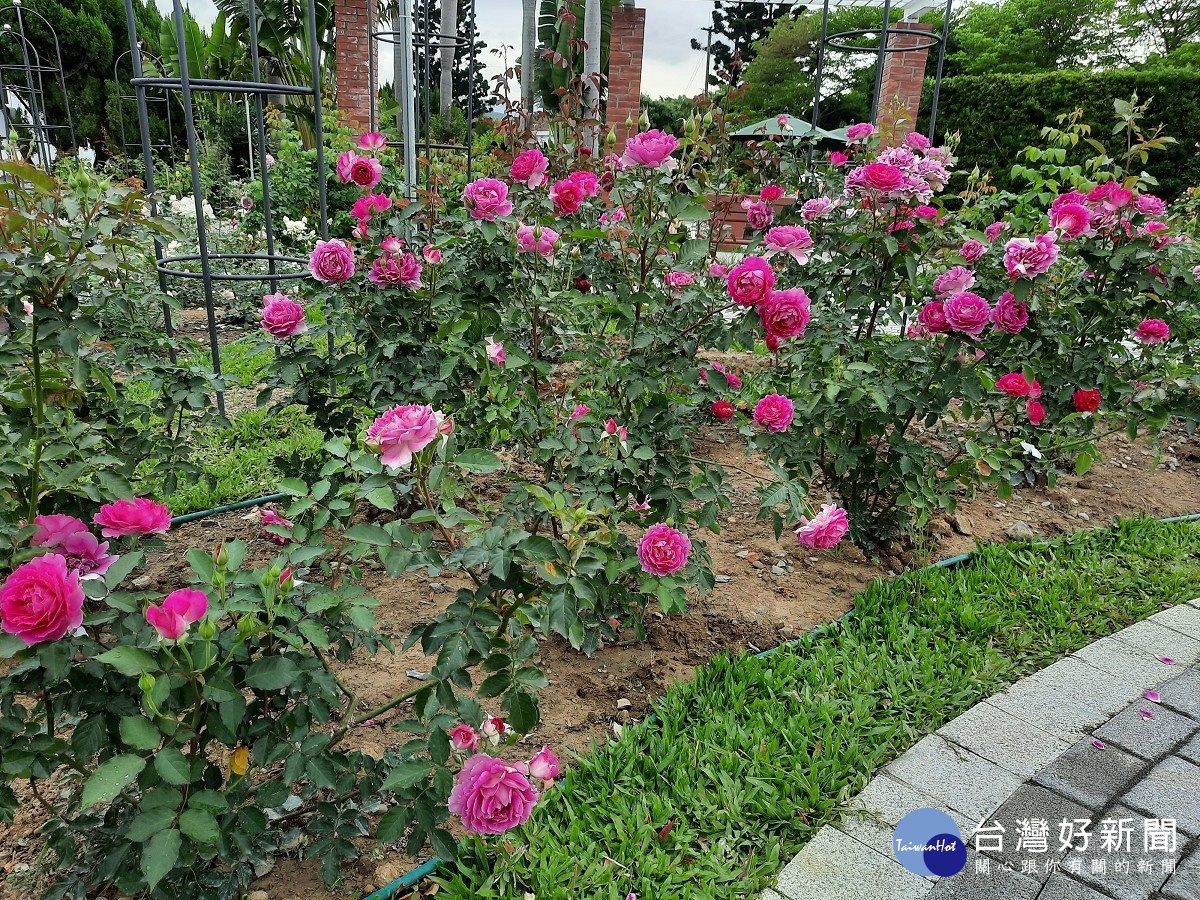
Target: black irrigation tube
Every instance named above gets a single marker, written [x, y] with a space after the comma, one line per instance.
[416, 875]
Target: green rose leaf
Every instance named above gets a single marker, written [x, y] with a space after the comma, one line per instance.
[110, 778]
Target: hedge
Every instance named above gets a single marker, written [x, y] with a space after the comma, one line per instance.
[1000, 115]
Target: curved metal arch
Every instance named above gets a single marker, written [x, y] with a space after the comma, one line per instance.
[122, 99]
[57, 69]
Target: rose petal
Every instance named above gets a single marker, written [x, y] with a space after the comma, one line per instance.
[1152, 696]
[1098, 744]
[1166, 660]
[1145, 714]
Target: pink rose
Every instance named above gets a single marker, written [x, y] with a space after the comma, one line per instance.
[1071, 220]
[717, 270]
[993, 231]
[370, 204]
[580, 410]
[85, 555]
[953, 281]
[1086, 401]
[1010, 314]
[785, 314]
[876, 177]
[774, 412]
[731, 378]
[402, 431]
[859, 132]
[1152, 331]
[679, 280]
[529, 168]
[491, 795]
[613, 216]
[41, 600]
[968, 313]
[972, 250]
[1015, 384]
[494, 350]
[1149, 205]
[366, 172]
[933, 317]
[391, 244]
[432, 255]
[494, 728]
[345, 162]
[837, 158]
[1110, 196]
[825, 529]
[914, 140]
[794, 240]
[537, 239]
[53, 530]
[751, 281]
[138, 516]
[1035, 411]
[179, 610]
[770, 193]
[1024, 258]
[487, 199]
[663, 550]
[723, 410]
[331, 262]
[463, 737]
[544, 765]
[282, 317]
[650, 149]
[372, 141]
[271, 518]
[818, 208]
[586, 181]
[567, 197]
[759, 214]
[404, 270]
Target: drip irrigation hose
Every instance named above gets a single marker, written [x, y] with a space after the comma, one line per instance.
[229, 507]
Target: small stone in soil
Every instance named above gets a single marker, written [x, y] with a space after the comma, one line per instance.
[623, 703]
[1020, 531]
[258, 895]
[438, 588]
[721, 579]
[742, 554]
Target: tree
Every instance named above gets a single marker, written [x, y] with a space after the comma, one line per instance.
[1024, 36]
[741, 25]
[1159, 25]
[667, 113]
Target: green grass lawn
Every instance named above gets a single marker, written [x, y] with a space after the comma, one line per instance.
[741, 766]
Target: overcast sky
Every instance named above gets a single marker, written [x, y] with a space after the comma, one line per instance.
[671, 68]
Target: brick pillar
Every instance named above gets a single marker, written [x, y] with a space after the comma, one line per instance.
[903, 80]
[352, 52]
[625, 70]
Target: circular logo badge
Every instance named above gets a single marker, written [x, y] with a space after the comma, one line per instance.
[927, 842]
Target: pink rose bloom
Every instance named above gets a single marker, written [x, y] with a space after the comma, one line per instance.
[494, 728]
[678, 280]
[825, 529]
[432, 255]
[1196, 273]
[85, 555]
[818, 208]
[1110, 196]
[993, 231]
[770, 193]
[785, 314]
[968, 313]
[933, 317]
[370, 204]
[774, 412]
[138, 516]
[537, 239]
[837, 158]
[487, 199]
[53, 530]
[271, 518]
[1071, 220]
[362, 229]
[759, 215]
[491, 795]
[1015, 384]
[544, 765]
[372, 141]
[580, 410]
[1010, 314]
[717, 270]
[782, 121]
[41, 600]
[953, 281]
[463, 737]
[1153, 331]
[1025, 258]
[391, 244]
[586, 181]
[366, 172]
[650, 149]
[179, 610]
[663, 550]
[971, 250]
[751, 281]
[345, 162]
[876, 177]
[402, 431]
[859, 132]
[731, 378]
[567, 197]
[794, 240]
[494, 350]
[1149, 205]
[914, 140]
[529, 168]
[404, 270]
[282, 317]
[331, 262]
[613, 216]
[926, 212]
[1035, 411]
[1069, 197]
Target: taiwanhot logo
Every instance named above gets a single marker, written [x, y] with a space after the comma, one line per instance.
[927, 842]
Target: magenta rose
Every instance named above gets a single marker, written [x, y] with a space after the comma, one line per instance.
[759, 214]
[914, 140]
[586, 181]
[366, 172]
[785, 314]
[953, 281]
[345, 162]
[882, 177]
[1025, 258]
[933, 317]
[1071, 220]
[544, 765]
[677, 281]
[372, 141]
[272, 519]
[968, 313]
[85, 555]
[1153, 331]
[859, 132]
[282, 317]
[794, 240]
[1010, 314]
[731, 378]
[1035, 411]
[370, 204]
[650, 149]
[837, 158]
[529, 168]
[825, 529]
[463, 737]
[817, 208]
[491, 795]
[751, 281]
[1015, 384]
[179, 610]
[331, 262]
[1149, 205]
[537, 239]
[53, 530]
[994, 231]
[567, 197]
[971, 250]
[402, 431]
[139, 516]
[774, 412]
[41, 600]
[663, 550]
[487, 199]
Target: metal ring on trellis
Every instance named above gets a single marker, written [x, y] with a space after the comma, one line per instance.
[167, 266]
[930, 40]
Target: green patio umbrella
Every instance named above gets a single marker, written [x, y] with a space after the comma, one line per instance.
[796, 129]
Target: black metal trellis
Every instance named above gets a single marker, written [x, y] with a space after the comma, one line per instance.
[161, 97]
[271, 267]
[25, 83]
[411, 36]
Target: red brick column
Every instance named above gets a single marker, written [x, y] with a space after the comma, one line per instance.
[903, 79]
[352, 53]
[625, 70]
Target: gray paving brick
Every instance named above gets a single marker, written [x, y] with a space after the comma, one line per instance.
[1162, 641]
[1032, 801]
[1125, 884]
[1182, 617]
[771, 895]
[1185, 883]
[1067, 698]
[1089, 776]
[1147, 738]
[1000, 737]
[1191, 750]
[997, 883]
[1171, 790]
[834, 866]
[1136, 666]
[1183, 693]
[962, 781]
[1060, 887]
[873, 815]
